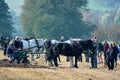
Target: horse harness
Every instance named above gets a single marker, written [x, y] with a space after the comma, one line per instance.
[37, 44]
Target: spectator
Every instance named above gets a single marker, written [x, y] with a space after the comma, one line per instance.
[105, 49]
[99, 51]
[115, 53]
[94, 58]
[110, 58]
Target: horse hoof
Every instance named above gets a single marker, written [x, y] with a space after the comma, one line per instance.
[76, 66]
[55, 66]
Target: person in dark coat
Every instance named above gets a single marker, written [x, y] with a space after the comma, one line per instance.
[105, 49]
[18, 43]
[110, 58]
[115, 53]
[94, 63]
[10, 51]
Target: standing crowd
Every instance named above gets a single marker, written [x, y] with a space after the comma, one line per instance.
[111, 53]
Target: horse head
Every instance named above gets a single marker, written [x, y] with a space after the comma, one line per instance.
[91, 45]
[47, 44]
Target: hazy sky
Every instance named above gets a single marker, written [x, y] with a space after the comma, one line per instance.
[15, 5]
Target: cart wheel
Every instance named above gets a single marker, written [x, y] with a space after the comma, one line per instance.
[25, 60]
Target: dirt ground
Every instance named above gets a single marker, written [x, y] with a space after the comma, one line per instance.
[38, 70]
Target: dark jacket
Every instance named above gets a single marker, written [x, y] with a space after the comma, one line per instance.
[17, 44]
[115, 51]
[110, 54]
[100, 47]
[10, 50]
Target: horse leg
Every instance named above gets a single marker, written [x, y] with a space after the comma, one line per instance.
[67, 59]
[38, 55]
[32, 56]
[59, 58]
[40, 51]
[87, 57]
[71, 61]
[55, 62]
[50, 63]
[81, 57]
[76, 57]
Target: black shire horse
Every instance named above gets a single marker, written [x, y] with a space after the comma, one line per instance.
[74, 49]
[50, 56]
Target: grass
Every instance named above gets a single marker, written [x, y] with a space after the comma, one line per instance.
[63, 72]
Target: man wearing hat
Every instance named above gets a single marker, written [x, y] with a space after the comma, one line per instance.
[17, 43]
